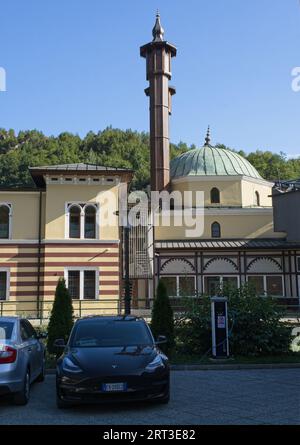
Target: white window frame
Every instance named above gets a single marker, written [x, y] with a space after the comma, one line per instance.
[265, 283]
[81, 271]
[177, 284]
[9, 205]
[70, 204]
[220, 280]
[7, 270]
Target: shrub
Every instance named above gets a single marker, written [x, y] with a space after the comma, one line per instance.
[162, 319]
[61, 319]
[255, 326]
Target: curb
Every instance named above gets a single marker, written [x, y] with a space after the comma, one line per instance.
[223, 367]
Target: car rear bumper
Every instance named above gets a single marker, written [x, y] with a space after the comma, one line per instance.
[10, 381]
[7, 387]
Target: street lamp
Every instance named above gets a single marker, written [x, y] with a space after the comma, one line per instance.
[127, 274]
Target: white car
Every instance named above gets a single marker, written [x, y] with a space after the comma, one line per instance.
[22, 358]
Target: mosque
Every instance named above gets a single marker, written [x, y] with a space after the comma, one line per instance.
[56, 228]
[239, 244]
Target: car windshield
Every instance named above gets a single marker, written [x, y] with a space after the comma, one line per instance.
[6, 330]
[110, 333]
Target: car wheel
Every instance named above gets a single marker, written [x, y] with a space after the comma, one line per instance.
[41, 377]
[22, 397]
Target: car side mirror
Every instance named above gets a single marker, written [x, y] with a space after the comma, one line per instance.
[42, 335]
[161, 339]
[59, 343]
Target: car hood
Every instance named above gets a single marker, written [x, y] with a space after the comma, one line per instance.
[113, 360]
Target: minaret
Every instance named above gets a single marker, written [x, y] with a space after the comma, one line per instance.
[158, 54]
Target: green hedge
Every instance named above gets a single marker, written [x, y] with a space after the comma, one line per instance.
[255, 325]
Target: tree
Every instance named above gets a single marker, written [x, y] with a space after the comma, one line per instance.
[162, 320]
[61, 319]
[111, 147]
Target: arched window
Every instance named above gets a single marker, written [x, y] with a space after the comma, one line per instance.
[257, 199]
[215, 196]
[74, 221]
[90, 222]
[215, 230]
[4, 221]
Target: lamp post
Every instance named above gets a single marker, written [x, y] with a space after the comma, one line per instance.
[127, 274]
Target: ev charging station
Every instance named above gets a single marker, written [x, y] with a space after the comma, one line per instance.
[219, 324]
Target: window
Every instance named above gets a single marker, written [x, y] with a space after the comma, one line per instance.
[6, 330]
[171, 285]
[89, 287]
[81, 220]
[213, 284]
[5, 213]
[24, 331]
[271, 285]
[3, 285]
[274, 286]
[215, 230]
[298, 264]
[75, 219]
[29, 330]
[186, 286]
[215, 196]
[257, 282]
[257, 199]
[180, 286]
[90, 222]
[74, 284]
[230, 281]
[110, 333]
[82, 284]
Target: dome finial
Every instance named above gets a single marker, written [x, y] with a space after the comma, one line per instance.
[158, 31]
[207, 139]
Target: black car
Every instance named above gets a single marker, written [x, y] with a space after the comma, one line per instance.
[111, 358]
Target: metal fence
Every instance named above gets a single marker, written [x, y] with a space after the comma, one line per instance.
[32, 310]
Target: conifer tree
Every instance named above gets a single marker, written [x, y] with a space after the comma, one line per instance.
[162, 321]
[61, 319]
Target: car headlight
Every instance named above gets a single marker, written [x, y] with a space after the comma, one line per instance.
[69, 366]
[155, 364]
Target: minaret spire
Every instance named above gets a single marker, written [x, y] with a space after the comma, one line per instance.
[207, 139]
[158, 31]
[158, 54]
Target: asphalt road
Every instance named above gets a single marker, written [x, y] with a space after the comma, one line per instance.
[198, 397]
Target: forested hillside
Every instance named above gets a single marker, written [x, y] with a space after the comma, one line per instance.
[110, 147]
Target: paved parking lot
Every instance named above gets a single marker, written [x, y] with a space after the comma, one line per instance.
[198, 397]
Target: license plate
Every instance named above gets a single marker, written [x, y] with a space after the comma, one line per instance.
[114, 387]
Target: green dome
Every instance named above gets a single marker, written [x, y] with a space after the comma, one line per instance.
[211, 161]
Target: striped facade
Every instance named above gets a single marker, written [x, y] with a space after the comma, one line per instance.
[38, 250]
[33, 272]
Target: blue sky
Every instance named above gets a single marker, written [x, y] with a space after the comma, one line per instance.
[74, 65]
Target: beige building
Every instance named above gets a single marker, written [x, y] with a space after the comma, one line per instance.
[238, 243]
[67, 226]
